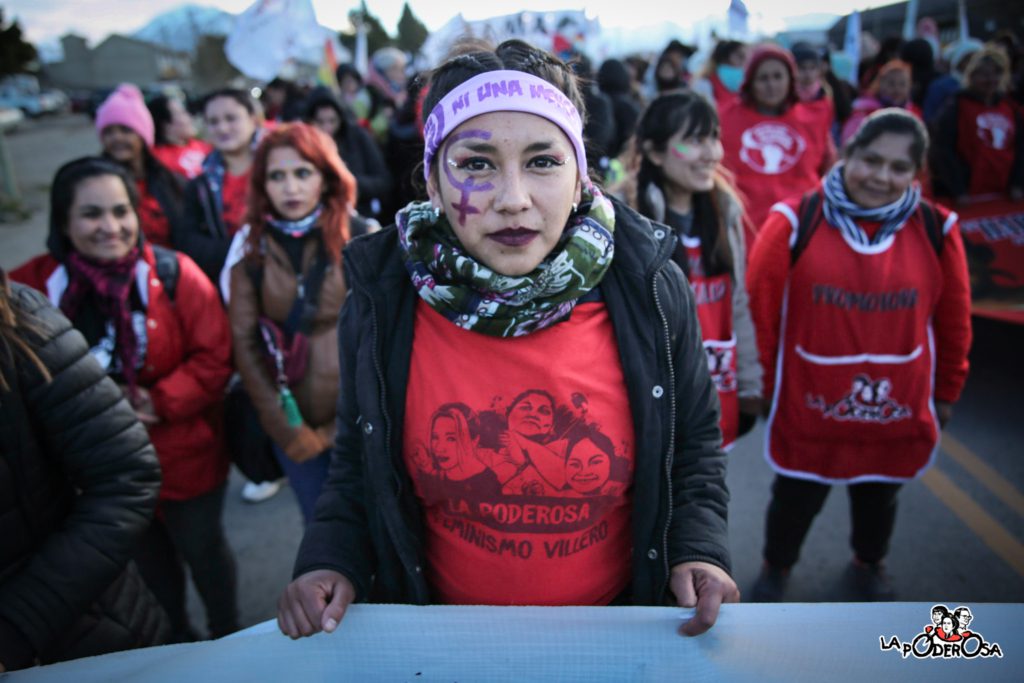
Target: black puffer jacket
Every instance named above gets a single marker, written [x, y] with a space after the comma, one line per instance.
[368, 522]
[78, 485]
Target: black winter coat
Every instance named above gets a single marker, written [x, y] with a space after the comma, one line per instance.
[202, 235]
[368, 522]
[78, 485]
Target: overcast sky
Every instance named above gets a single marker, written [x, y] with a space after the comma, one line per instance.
[48, 19]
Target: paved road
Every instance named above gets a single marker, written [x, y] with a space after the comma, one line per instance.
[960, 528]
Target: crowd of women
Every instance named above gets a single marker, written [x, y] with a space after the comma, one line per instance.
[521, 391]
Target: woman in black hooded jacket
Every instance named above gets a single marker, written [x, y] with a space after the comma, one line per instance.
[358, 150]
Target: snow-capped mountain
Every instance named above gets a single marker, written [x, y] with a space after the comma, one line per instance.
[180, 28]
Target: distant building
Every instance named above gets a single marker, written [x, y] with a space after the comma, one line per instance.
[984, 18]
[118, 59]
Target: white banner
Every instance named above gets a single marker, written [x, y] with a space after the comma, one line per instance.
[272, 32]
[797, 643]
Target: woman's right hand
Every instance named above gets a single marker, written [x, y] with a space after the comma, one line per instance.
[307, 444]
[315, 601]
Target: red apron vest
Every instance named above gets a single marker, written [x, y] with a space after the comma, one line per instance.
[713, 296]
[986, 141]
[855, 370]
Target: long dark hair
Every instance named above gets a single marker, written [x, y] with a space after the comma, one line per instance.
[62, 195]
[15, 326]
[664, 117]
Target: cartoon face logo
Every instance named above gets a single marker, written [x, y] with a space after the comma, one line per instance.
[869, 400]
[772, 148]
[720, 365]
[946, 637]
[994, 129]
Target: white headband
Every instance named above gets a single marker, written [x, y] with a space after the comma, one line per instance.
[502, 91]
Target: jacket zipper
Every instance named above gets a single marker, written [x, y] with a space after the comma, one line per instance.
[671, 430]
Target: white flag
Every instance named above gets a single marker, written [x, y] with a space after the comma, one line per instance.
[270, 33]
[738, 15]
[910, 21]
[851, 45]
[965, 31]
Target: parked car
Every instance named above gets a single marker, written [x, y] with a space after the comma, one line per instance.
[33, 103]
[10, 118]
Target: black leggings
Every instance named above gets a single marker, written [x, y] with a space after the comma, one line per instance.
[190, 532]
[796, 502]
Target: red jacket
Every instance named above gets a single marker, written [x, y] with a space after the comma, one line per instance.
[188, 364]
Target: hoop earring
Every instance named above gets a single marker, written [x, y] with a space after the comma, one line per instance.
[575, 208]
[436, 210]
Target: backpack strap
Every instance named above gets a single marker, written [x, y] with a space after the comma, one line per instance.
[932, 226]
[167, 269]
[808, 218]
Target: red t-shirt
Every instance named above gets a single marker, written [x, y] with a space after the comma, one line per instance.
[234, 198]
[152, 219]
[186, 160]
[521, 452]
[773, 157]
[986, 141]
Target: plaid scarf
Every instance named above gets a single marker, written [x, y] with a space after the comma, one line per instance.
[842, 212]
[110, 283]
[476, 298]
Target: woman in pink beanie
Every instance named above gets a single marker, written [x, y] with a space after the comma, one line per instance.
[125, 127]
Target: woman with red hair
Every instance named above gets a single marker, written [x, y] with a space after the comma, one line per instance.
[284, 288]
[774, 145]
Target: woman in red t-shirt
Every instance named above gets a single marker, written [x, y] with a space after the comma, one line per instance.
[177, 146]
[774, 144]
[216, 199]
[979, 145]
[525, 414]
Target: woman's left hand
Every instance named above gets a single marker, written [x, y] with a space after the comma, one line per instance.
[143, 405]
[704, 586]
[944, 411]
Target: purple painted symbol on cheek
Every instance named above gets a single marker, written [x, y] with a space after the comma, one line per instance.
[466, 187]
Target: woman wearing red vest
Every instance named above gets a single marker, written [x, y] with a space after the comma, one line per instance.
[680, 184]
[774, 144]
[862, 310]
[165, 339]
[979, 148]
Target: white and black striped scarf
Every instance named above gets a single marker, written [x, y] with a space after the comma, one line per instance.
[843, 213]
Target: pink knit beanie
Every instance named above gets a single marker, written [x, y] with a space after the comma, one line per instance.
[126, 107]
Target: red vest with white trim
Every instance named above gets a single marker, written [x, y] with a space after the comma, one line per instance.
[772, 157]
[855, 367]
[986, 141]
[713, 296]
